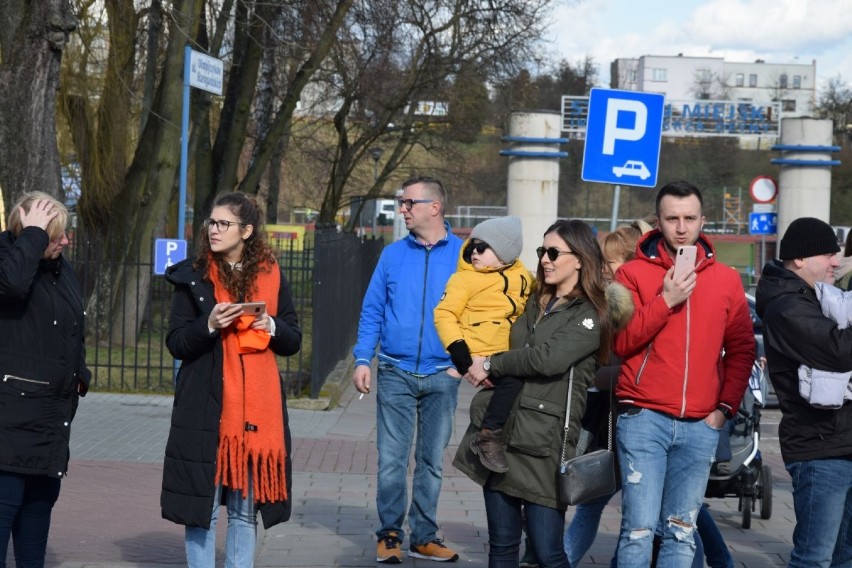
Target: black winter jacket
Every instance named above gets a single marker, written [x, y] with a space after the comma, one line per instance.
[795, 332]
[190, 463]
[42, 357]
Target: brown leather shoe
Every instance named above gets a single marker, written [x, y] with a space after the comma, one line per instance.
[488, 445]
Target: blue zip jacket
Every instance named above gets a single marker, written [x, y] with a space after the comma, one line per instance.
[399, 304]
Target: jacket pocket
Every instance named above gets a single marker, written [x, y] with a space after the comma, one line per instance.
[28, 421]
[537, 426]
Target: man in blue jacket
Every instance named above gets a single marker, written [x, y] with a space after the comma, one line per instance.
[416, 383]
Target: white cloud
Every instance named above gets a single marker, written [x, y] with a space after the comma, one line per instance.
[777, 31]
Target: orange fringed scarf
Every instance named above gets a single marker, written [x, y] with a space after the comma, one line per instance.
[251, 431]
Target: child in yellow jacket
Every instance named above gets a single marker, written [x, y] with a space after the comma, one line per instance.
[480, 303]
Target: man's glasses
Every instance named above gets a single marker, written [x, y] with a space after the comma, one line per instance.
[221, 226]
[479, 247]
[552, 253]
[409, 203]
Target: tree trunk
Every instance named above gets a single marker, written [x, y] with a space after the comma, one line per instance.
[140, 209]
[32, 36]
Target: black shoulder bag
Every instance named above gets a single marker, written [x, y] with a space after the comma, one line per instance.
[591, 475]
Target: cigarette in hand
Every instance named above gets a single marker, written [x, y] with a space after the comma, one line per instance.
[360, 397]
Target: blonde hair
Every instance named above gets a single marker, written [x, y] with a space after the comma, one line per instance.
[56, 226]
[620, 244]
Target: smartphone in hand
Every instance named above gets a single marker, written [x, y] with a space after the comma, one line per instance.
[684, 260]
[253, 308]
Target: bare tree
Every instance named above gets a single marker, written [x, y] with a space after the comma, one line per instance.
[835, 102]
[394, 60]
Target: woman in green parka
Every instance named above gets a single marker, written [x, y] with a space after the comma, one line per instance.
[566, 324]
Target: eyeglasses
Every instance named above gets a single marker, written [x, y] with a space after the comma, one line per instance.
[221, 226]
[479, 247]
[409, 203]
[552, 253]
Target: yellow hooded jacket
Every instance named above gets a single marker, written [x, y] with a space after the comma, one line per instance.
[479, 306]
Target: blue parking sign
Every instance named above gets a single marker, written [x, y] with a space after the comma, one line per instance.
[763, 223]
[623, 136]
[168, 252]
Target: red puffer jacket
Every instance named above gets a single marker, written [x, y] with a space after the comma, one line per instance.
[673, 358]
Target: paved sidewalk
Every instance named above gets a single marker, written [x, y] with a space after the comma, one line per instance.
[108, 512]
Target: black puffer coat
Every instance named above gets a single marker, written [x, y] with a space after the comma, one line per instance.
[190, 463]
[796, 332]
[42, 357]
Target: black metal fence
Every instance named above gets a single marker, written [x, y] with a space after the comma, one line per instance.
[327, 304]
[343, 266]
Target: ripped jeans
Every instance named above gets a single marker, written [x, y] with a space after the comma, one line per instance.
[665, 463]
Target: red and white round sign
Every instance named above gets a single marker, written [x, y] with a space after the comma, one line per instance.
[763, 189]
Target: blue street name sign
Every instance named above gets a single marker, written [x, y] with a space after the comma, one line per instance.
[168, 252]
[762, 223]
[623, 135]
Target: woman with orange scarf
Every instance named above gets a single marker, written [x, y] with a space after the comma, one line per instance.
[229, 439]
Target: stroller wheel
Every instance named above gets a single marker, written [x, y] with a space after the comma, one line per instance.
[766, 492]
[746, 503]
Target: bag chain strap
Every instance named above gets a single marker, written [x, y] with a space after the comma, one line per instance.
[568, 418]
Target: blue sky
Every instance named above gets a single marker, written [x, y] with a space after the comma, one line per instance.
[777, 31]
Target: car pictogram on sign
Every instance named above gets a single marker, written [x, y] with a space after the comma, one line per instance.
[633, 168]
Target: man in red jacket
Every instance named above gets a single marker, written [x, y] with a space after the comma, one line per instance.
[687, 354]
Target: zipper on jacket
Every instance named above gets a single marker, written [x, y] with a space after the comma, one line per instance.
[423, 310]
[34, 381]
[644, 362]
[685, 361]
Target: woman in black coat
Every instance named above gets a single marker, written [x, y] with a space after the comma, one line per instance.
[43, 370]
[229, 440]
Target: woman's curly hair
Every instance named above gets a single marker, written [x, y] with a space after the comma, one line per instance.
[257, 254]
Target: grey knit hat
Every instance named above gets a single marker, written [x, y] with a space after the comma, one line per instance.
[806, 237]
[504, 235]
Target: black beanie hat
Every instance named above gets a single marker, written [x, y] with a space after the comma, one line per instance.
[806, 237]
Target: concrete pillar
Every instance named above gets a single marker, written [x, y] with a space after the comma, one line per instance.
[804, 184]
[533, 189]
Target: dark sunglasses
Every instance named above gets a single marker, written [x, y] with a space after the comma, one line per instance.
[552, 253]
[480, 247]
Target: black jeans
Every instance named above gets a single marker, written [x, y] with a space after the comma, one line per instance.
[506, 390]
[26, 502]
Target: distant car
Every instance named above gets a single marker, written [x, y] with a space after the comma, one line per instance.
[633, 168]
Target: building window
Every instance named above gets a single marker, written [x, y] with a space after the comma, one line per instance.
[658, 74]
[797, 81]
[631, 75]
[788, 106]
[782, 81]
[752, 80]
[740, 78]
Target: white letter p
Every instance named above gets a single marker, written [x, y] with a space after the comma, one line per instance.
[611, 130]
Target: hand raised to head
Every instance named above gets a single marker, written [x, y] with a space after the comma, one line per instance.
[40, 215]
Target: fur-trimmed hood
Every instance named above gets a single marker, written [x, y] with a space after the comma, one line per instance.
[620, 305]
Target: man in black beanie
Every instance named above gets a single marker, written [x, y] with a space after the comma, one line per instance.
[816, 443]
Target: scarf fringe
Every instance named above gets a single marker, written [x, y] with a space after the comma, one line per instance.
[268, 471]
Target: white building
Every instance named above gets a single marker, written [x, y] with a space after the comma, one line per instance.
[682, 78]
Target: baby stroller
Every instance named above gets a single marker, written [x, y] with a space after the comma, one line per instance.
[748, 478]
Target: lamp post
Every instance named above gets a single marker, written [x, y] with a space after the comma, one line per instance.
[376, 152]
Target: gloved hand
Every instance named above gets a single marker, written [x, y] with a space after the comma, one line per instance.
[460, 355]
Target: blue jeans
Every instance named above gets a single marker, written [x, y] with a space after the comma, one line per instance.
[240, 540]
[710, 543]
[581, 531]
[505, 524]
[26, 502]
[665, 463]
[822, 499]
[405, 402]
